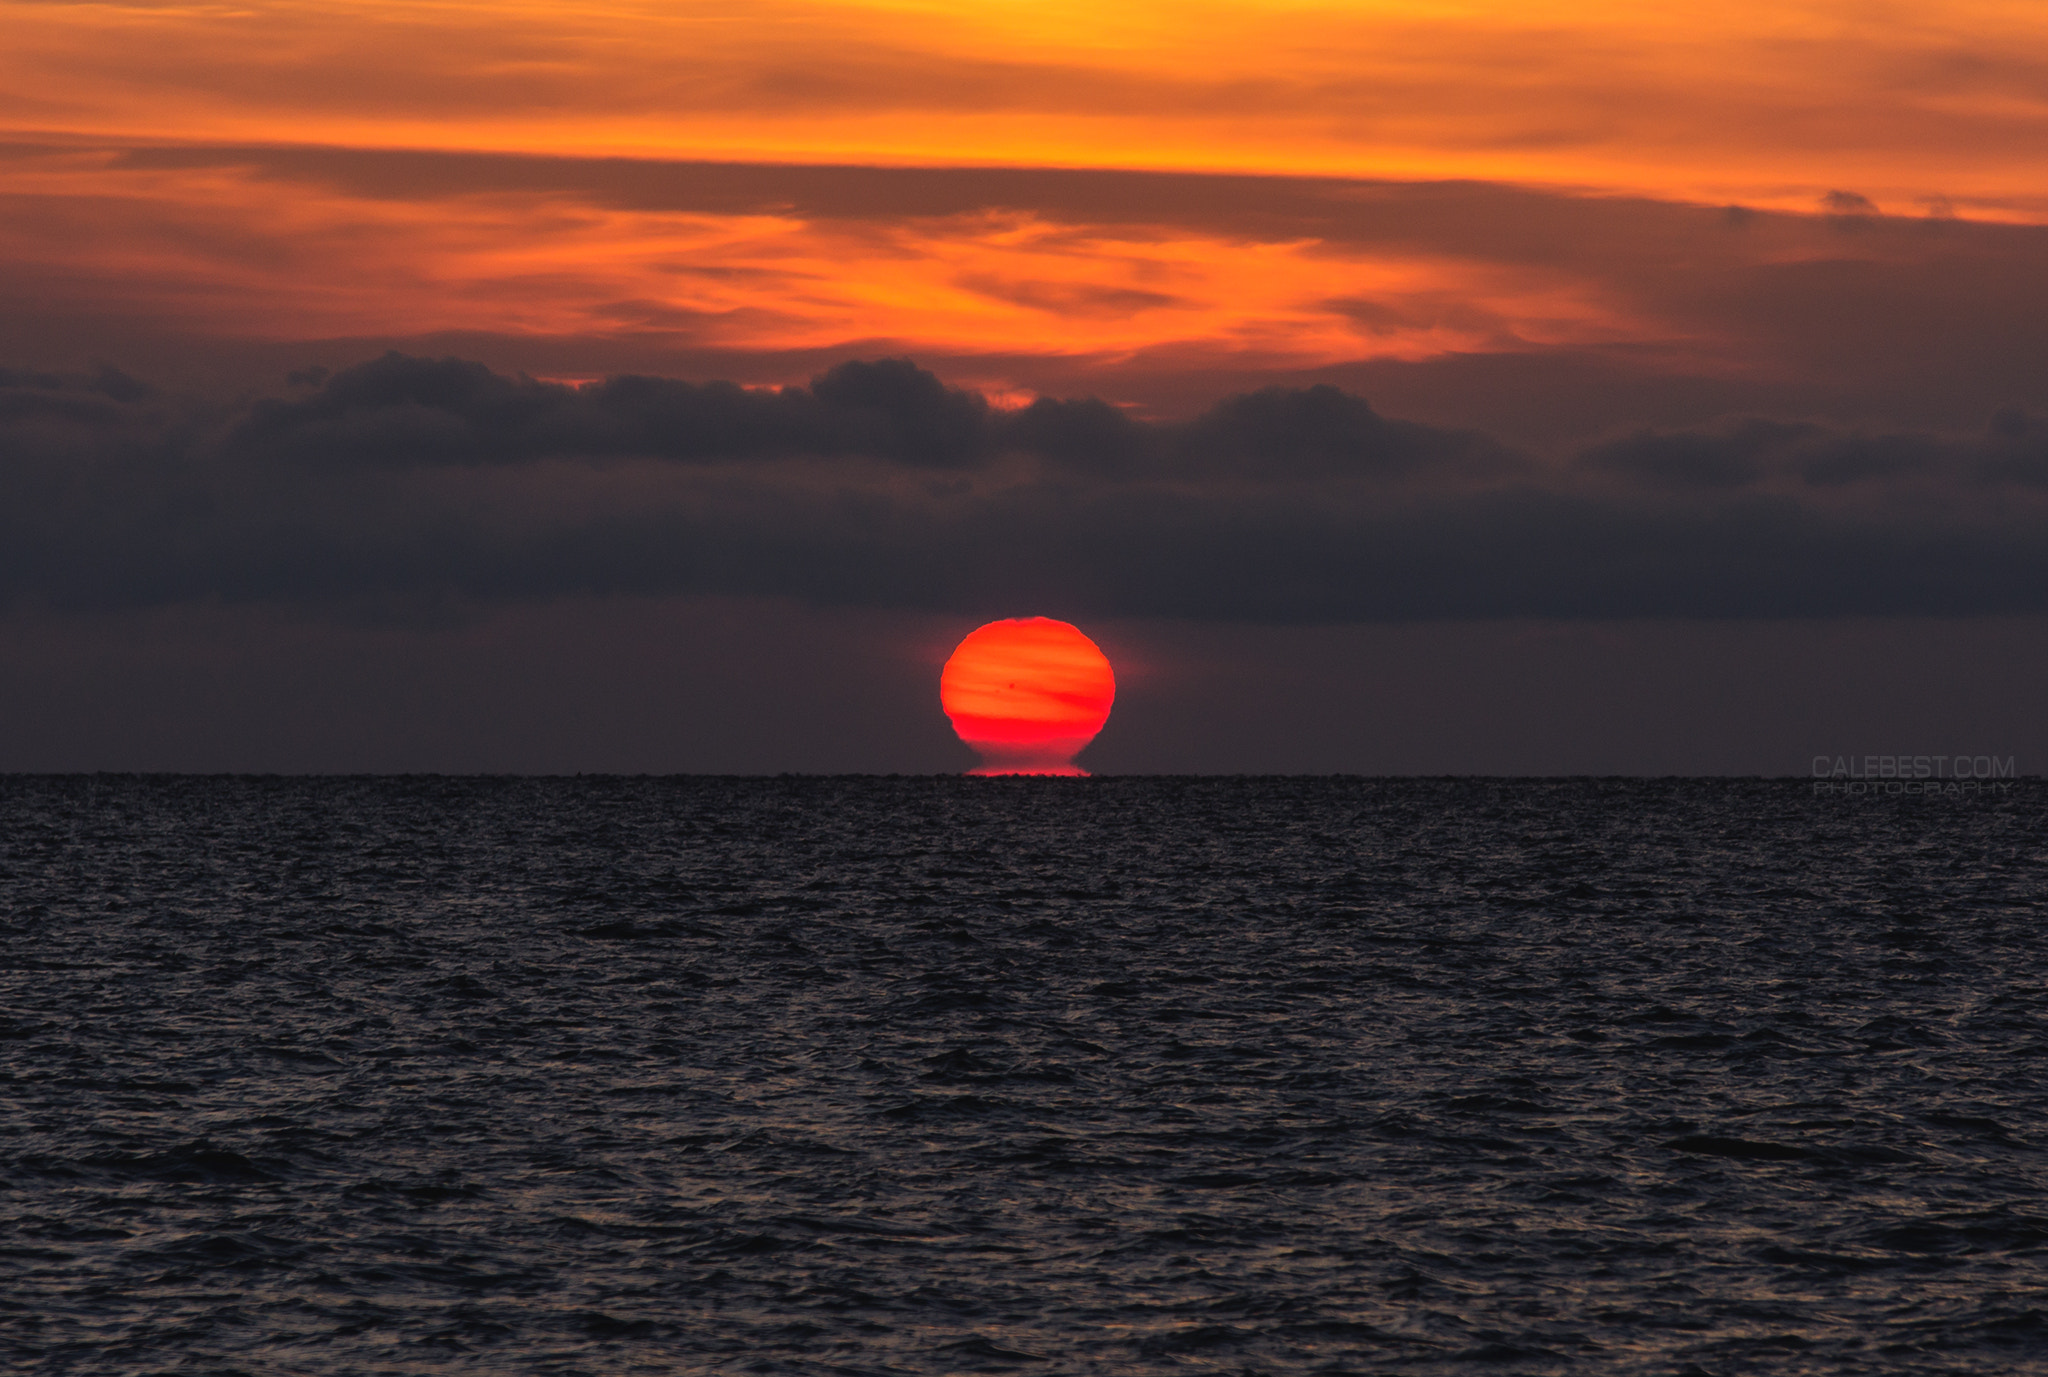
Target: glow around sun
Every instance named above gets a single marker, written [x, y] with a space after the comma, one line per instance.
[1027, 693]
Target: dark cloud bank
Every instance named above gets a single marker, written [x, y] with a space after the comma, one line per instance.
[411, 486]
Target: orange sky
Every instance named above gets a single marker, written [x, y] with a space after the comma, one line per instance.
[116, 208]
[1759, 103]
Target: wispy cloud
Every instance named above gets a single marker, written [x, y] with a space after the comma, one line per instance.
[1036, 273]
[1765, 104]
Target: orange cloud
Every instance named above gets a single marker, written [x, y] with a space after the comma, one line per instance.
[1021, 278]
[1009, 190]
[222, 248]
[1765, 104]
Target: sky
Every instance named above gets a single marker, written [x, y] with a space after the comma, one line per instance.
[1387, 387]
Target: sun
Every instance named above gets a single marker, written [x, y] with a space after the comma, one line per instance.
[1027, 693]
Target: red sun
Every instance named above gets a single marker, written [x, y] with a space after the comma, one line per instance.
[1027, 693]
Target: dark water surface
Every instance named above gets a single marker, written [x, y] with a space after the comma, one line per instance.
[943, 1076]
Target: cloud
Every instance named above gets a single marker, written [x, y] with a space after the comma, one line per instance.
[402, 412]
[413, 486]
[1599, 98]
[1848, 203]
[1536, 313]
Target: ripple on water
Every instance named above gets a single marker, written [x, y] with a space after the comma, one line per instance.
[945, 1075]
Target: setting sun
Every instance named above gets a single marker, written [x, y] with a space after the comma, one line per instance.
[1027, 693]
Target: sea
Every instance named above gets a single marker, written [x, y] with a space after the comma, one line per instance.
[917, 1075]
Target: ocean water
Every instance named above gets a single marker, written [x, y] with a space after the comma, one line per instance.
[916, 1075]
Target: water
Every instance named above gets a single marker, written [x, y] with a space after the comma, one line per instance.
[943, 1076]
